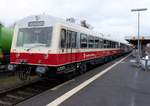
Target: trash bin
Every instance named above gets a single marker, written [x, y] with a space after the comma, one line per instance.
[145, 63]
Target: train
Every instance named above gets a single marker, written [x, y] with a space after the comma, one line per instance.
[50, 46]
[5, 45]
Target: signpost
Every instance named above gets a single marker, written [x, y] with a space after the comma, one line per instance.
[139, 49]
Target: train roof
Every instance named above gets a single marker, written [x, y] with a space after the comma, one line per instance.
[51, 20]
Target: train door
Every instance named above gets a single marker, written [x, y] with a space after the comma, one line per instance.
[71, 45]
[68, 45]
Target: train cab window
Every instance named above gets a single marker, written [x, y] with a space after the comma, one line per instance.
[96, 42]
[20, 39]
[83, 40]
[91, 42]
[27, 37]
[63, 38]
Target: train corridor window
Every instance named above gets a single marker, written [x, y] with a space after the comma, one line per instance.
[113, 45]
[63, 38]
[105, 45]
[101, 43]
[73, 39]
[109, 44]
[117, 45]
[83, 40]
[91, 42]
[68, 39]
[96, 42]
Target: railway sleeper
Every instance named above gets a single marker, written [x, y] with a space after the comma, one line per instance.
[15, 96]
[5, 103]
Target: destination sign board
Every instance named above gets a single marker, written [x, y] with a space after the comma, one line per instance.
[36, 23]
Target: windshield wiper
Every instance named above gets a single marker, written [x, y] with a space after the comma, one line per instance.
[34, 47]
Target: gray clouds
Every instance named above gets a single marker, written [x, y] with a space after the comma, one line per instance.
[111, 17]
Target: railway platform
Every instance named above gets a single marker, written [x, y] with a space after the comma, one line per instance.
[118, 83]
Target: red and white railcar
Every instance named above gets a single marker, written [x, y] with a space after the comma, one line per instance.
[48, 45]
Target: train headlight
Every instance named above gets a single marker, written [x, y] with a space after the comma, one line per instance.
[17, 55]
[45, 56]
[39, 61]
[11, 67]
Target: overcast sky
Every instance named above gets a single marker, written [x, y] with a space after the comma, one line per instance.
[111, 17]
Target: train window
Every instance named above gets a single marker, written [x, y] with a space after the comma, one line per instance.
[117, 45]
[68, 39]
[83, 40]
[108, 44]
[96, 42]
[73, 39]
[20, 39]
[101, 43]
[34, 36]
[63, 38]
[91, 42]
[111, 44]
[105, 45]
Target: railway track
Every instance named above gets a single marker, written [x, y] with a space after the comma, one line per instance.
[15, 95]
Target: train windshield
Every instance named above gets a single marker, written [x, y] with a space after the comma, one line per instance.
[28, 37]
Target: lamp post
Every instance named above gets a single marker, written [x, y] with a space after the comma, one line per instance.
[138, 10]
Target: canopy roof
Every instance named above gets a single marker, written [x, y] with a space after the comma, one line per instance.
[134, 39]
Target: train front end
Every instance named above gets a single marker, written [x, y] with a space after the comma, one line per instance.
[32, 45]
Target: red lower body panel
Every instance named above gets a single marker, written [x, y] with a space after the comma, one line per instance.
[58, 59]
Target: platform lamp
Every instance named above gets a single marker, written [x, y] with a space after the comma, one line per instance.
[138, 11]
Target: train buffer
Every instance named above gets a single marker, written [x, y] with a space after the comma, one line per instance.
[119, 84]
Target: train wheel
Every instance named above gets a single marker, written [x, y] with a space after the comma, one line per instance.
[83, 68]
[105, 60]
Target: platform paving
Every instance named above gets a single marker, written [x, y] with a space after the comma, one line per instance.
[124, 85]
